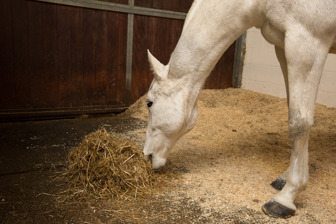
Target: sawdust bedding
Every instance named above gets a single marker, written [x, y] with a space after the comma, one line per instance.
[239, 146]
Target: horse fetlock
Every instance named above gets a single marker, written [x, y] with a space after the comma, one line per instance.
[284, 200]
[287, 195]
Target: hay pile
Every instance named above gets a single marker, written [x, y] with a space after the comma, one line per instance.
[106, 167]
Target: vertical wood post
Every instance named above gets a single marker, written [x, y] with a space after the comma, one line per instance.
[129, 53]
[239, 61]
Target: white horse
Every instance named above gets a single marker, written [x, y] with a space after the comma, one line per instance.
[303, 32]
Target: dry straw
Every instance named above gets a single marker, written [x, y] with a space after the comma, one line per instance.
[106, 167]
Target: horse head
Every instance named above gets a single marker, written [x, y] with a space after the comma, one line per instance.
[172, 112]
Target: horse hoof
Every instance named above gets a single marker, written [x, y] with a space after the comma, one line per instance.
[278, 184]
[277, 210]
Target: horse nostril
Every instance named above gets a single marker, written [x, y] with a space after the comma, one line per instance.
[150, 157]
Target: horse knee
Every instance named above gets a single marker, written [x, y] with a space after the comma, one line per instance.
[299, 124]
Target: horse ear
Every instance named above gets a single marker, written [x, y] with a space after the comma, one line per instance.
[156, 66]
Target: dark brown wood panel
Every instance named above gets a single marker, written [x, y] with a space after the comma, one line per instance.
[49, 78]
[76, 56]
[104, 60]
[63, 79]
[116, 58]
[37, 55]
[89, 40]
[7, 82]
[21, 52]
[57, 57]
[101, 58]
[172, 5]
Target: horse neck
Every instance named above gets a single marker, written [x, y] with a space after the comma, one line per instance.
[210, 28]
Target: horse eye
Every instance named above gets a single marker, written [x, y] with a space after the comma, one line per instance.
[149, 104]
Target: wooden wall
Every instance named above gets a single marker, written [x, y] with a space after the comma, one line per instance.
[58, 59]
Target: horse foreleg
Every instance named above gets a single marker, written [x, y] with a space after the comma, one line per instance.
[305, 58]
[280, 182]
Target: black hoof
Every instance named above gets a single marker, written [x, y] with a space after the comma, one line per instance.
[276, 210]
[278, 184]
